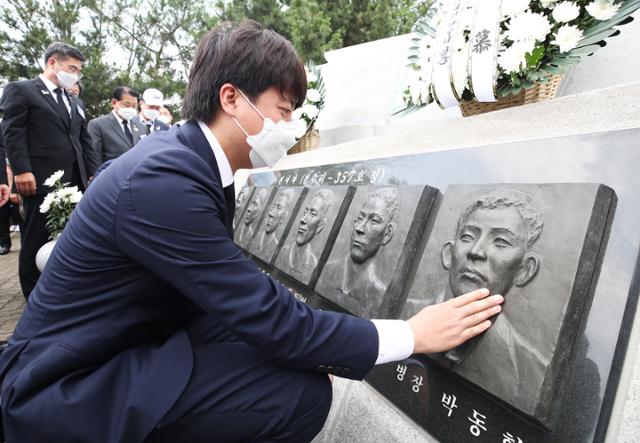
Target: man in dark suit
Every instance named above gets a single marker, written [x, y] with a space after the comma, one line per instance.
[44, 132]
[115, 133]
[150, 325]
[5, 209]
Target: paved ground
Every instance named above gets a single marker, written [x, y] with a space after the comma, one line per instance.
[11, 299]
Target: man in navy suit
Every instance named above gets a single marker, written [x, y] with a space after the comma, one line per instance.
[43, 132]
[150, 325]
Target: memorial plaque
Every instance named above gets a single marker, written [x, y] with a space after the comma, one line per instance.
[535, 244]
[248, 225]
[274, 221]
[309, 235]
[373, 247]
[242, 199]
[571, 307]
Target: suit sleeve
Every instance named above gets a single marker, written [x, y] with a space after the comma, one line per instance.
[14, 128]
[88, 152]
[96, 139]
[168, 221]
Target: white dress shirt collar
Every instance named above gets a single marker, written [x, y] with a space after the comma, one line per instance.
[48, 83]
[226, 174]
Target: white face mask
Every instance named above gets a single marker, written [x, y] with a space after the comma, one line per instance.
[66, 79]
[272, 142]
[165, 119]
[127, 113]
[151, 114]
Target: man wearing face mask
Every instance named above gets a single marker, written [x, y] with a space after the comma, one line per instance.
[149, 309]
[150, 109]
[43, 133]
[117, 132]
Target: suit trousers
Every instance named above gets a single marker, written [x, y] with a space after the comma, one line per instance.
[235, 394]
[34, 235]
[5, 221]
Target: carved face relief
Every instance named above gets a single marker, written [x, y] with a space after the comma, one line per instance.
[252, 209]
[488, 252]
[276, 213]
[312, 221]
[371, 229]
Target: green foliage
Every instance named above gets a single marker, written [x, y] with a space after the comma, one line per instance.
[316, 26]
[150, 43]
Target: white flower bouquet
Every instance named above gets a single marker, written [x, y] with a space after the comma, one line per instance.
[308, 113]
[537, 39]
[59, 204]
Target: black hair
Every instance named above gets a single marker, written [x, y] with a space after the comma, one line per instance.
[62, 51]
[249, 57]
[120, 90]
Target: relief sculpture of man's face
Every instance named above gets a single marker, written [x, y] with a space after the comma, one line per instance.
[489, 251]
[276, 214]
[312, 221]
[252, 210]
[371, 229]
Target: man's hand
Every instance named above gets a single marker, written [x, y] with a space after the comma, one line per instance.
[26, 183]
[4, 194]
[444, 326]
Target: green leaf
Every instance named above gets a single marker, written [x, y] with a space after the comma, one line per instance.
[535, 56]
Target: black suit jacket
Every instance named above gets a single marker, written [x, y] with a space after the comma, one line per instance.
[39, 139]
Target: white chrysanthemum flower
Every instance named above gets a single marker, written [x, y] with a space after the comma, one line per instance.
[46, 203]
[547, 3]
[512, 59]
[529, 26]
[311, 77]
[565, 12]
[567, 37]
[310, 111]
[313, 95]
[75, 197]
[66, 193]
[51, 181]
[602, 9]
[300, 127]
[511, 8]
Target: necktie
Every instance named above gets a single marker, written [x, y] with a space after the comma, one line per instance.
[148, 125]
[230, 200]
[64, 112]
[127, 131]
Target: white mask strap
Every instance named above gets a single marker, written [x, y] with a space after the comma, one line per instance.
[251, 104]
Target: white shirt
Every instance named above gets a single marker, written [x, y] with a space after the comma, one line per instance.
[52, 87]
[395, 338]
[120, 119]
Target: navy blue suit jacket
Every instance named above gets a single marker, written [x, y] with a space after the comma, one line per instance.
[100, 353]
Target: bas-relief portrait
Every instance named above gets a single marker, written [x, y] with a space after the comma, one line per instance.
[248, 224]
[521, 241]
[274, 221]
[371, 240]
[241, 202]
[310, 231]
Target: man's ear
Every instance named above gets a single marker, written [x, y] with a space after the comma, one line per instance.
[320, 225]
[113, 102]
[528, 270]
[388, 233]
[447, 251]
[229, 99]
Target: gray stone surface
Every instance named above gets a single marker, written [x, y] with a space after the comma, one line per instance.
[360, 414]
[11, 299]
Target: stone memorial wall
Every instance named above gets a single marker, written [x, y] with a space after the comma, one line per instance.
[385, 237]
